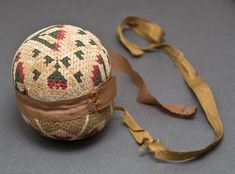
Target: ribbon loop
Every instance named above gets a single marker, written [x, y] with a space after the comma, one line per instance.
[145, 29]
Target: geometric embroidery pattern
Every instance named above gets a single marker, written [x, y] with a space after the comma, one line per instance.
[81, 32]
[78, 76]
[62, 62]
[19, 73]
[58, 34]
[48, 60]
[79, 43]
[36, 74]
[37, 37]
[51, 60]
[79, 54]
[96, 78]
[56, 79]
[100, 60]
[36, 52]
[65, 61]
[19, 77]
[92, 42]
[17, 57]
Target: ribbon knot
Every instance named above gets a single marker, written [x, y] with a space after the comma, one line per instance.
[144, 28]
[146, 143]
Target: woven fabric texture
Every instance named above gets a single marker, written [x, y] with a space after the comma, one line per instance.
[62, 62]
[77, 129]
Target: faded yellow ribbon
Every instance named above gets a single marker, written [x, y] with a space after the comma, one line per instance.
[154, 34]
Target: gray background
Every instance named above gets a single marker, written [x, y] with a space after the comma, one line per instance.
[202, 29]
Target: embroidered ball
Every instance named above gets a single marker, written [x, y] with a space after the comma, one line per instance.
[59, 63]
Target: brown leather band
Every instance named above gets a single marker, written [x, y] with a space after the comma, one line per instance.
[97, 99]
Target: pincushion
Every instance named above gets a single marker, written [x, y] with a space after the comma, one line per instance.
[61, 63]
[65, 89]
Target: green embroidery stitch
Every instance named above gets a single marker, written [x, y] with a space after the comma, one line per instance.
[36, 52]
[54, 34]
[17, 57]
[43, 41]
[100, 60]
[97, 78]
[59, 34]
[92, 42]
[79, 43]
[78, 76]
[36, 74]
[48, 60]
[56, 75]
[65, 61]
[81, 32]
[79, 54]
[19, 75]
[57, 65]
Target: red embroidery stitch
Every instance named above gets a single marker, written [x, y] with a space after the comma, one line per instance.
[21, 71]
[96, 78]
[56, 47]
[57, 84]
[60, 35]
[99, 59]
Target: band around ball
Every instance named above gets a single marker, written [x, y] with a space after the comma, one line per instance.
[98, 98]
